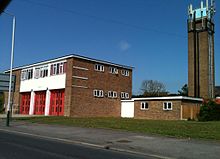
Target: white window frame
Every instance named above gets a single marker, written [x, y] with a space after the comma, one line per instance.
[127, 95]
[37, 73]
[99, 67]
[30, 72]
[98, 93]
[112, 94]
[165, 106]
[113, 70]
[61, 68]
[58, 68]
[125, 72]
[124, 95]
[54, 68]
[144, 105]
[25, 74]
[41, 72]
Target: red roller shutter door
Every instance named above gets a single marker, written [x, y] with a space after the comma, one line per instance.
[25, 103]
[57, 102]
[39, 102]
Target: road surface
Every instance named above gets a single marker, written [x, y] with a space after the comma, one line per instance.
[19, 146]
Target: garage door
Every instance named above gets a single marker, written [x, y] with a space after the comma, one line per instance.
[25, 103]
[39, 102]
[127, 109]
[57, 102]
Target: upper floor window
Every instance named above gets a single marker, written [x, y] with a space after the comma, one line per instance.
[124, 95]
[99, 67]
[144, 106]
[167, 106]
[112, 94]
[98, 93]
[125, 72]
[113, 70]
[41, 72]
[26, 74]
[58, 68]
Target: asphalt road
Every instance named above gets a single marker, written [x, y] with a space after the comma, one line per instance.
[18, 146]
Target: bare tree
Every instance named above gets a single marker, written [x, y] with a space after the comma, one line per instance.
[184, 90]
[152, 88]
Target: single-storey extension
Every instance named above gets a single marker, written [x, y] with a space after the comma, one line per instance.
[161, 108]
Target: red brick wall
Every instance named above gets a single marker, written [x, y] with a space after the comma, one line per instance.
[68, 87]
[83, 101]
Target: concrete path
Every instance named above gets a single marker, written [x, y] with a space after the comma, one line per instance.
[156, 146]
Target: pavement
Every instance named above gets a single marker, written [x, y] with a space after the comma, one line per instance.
[150, 145]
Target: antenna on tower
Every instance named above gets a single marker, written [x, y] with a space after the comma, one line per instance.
[207, 5]
[202, 13]
[201, 5]
[212, 9]
[213, 6]
[190, 10]
[190, 13]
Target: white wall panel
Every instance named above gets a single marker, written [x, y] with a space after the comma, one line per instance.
[31, 110]
[51, 82]
[127, 109]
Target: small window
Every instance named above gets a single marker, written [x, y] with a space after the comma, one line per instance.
[41, 72]
[113, 70]
[125, 72]
[99, 67]
[98, 93]
[115, 94]
[167, 106]
[144, 106]
[124, 95]
[57, 68]
[112, 94]
[26, 74]
[23, 75]
[37, 73]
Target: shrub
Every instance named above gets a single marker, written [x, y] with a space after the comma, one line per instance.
[210, 111]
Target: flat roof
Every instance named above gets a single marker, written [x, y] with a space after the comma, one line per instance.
[165, 98]
[70, 56]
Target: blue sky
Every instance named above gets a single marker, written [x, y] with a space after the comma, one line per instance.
[150, 35]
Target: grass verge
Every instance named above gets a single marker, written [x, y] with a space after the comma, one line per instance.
[180, 129]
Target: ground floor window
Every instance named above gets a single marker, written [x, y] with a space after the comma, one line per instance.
[167, 106]
[144, 106]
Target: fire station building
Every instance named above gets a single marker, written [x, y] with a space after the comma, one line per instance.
[71, 85]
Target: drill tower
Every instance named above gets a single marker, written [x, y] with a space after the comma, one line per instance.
[201, 69]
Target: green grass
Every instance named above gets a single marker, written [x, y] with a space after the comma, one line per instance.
[180, 129]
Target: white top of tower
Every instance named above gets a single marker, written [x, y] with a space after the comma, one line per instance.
[203, 11]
